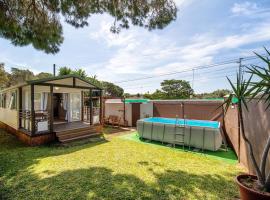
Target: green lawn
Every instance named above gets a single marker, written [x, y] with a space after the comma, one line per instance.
[115, 169]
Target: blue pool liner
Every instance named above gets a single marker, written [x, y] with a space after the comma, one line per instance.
[184, 122]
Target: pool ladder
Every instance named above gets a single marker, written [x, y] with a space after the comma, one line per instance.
[179, 137]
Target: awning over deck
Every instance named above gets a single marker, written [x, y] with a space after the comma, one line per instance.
[72, 81]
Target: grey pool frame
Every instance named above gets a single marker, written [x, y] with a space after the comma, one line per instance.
[203, 138]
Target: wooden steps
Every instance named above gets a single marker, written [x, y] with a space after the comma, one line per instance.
[76, 134]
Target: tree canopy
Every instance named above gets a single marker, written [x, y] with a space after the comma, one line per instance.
[38, 22]
[17, 76]
[64, 71]
[3, 76]
[43, 75]
[109, 88]
[220, 93]
[112, 89]
[172, 89]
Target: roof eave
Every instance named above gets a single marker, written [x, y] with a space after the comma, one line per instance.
[14, 87]
[40, 81]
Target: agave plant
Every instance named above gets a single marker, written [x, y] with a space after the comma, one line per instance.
[246, 90]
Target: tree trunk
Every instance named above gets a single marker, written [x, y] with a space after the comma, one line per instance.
[250, 149]
[267, 183]
[264, 158]
[239, 133]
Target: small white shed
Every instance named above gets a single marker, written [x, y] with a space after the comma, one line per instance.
[135, 109]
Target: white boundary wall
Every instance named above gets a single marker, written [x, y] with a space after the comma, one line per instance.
[116, 107]
[146, 110]
[129, 114]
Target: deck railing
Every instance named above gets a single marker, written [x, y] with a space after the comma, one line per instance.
[41, 121]
[25, 120]
[86, 114]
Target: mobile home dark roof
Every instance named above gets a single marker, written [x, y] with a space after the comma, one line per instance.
[44, 80]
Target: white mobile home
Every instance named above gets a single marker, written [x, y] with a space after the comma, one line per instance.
[46, 109]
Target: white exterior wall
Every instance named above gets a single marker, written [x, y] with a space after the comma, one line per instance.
[8, 116]
[117, 109]
[146, 109]
[129, 114]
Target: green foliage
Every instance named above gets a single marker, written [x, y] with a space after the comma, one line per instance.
[262, 87]
[158, 94]
[215, 94]
[18, 76]
[43, 75]
[80, 72]
[243, 92]
[3, 76]
[68, 71]
[246, 91]
[38, 22]
[31, 22]
[93, 79]
[112, 169]
[126, 95]
[65, 71]
[112, 89]
[172, 89]
[109, 88]
[240, 90]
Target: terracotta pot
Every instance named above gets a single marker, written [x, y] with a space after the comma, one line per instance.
[248, 193]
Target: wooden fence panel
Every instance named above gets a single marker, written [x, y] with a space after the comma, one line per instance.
[189, 110]
[257, 126]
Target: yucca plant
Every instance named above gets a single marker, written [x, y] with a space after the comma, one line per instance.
[244, 91]
[261, 89]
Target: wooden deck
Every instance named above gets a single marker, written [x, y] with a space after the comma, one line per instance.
[70, 126]
[69, 132]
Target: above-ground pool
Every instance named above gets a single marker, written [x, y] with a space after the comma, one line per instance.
[200, 134]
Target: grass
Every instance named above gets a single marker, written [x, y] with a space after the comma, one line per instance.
[112, 169]
[226, 156]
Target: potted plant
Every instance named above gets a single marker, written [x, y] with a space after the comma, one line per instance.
[253, 187]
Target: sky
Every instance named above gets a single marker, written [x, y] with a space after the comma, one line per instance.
[205, 32]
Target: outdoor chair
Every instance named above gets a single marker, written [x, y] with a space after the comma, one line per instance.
[113, 120]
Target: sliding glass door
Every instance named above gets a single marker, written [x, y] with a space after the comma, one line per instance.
[75, 107]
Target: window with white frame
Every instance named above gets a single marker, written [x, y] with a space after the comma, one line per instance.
[13, 101]
[37, 101]
[3, 100]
